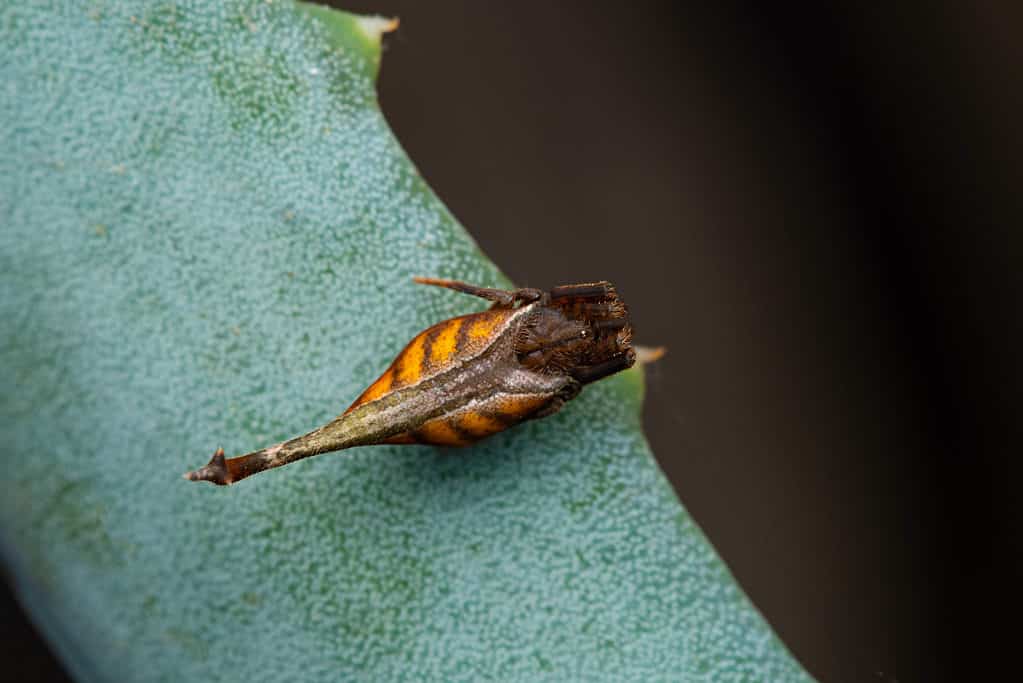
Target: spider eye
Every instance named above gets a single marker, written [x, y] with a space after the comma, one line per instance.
[584, 333]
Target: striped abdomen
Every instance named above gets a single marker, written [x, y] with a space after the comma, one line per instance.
[476, 420]
[455, 383]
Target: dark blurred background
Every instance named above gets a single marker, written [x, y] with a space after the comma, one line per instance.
[817, 211]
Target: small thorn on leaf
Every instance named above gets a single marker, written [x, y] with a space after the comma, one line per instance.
[375, 26]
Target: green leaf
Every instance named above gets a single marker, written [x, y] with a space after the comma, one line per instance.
[208, 239]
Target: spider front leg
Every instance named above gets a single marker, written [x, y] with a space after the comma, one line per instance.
[502, 298]
[587, 290]
[591, 373]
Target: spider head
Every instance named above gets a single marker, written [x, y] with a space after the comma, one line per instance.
[579, 330]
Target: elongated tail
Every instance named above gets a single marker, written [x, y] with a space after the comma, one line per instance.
[222, 471]
[358, 428]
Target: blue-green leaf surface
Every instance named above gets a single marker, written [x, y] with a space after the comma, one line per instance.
[208, 238]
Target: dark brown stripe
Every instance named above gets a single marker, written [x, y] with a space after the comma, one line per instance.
[463, 434]
[428, 346]
[463, 335]
[422, 436]
[505, 418]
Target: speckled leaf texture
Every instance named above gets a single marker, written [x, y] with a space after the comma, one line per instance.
[208, 238]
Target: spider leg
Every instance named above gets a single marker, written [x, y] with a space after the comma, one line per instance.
[588, 290]
[612, 325]
[502, 298]
[594, 372]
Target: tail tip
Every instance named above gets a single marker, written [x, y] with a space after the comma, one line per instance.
[215, 471]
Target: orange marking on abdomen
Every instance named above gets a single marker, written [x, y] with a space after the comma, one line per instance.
[478, 425]
[519, 407]
[439, 433]
[375, 390]
[483, 326]
[410, 362]
[446, 342]
[403, 438]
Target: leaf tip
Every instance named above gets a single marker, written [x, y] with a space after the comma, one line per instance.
[373, 27]
[649, 354]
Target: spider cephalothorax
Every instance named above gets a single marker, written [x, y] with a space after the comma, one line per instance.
[578, 330]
